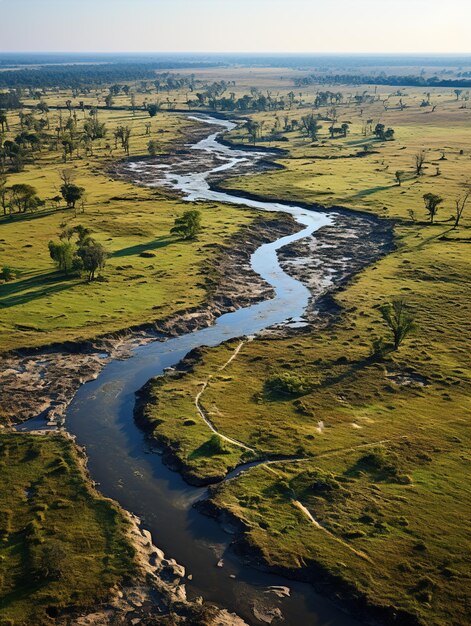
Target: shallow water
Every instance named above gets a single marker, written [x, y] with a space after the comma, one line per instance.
[129, 471]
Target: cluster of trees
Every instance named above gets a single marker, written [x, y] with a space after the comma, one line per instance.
[79, 75]
[66, 133]
[10, 99]
[23, 198]
[77, 251]
[383, 133]
[19, 198]
[213, 98]
[379, 79]
[432, 202]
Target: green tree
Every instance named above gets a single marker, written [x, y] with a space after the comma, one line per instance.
[311, 126]
[24, 197]
[62, 253]
[252, 129]
[71, 194]
[94, 129]
[152, 147]
[188, 225]
[3, 121]
[153, 109]
[432, 202]
[4, 193]
[93, 256]
[399, 320]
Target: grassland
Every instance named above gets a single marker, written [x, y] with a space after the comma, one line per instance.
[43, 306]
[379, 498]
[63, 547]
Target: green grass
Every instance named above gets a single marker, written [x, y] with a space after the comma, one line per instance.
[385, 473]
[62, 546]
[43, 306]
[392, 514]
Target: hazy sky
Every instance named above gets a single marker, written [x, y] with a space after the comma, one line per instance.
[236, 25]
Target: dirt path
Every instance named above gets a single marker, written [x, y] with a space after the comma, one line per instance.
[202, 413]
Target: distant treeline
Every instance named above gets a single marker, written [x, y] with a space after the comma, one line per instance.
[382, 79]
[9, 100]
[77, 76]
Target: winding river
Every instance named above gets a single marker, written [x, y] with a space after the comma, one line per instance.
[128, 470]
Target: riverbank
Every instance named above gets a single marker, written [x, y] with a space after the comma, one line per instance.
[82, 549]
[43, 381]
[377, 502]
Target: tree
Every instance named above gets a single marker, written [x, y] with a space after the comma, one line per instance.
[24, 197]
[153, 147]
[311, 126]
[252, 129]
[188, 225]
[400, 175]
[432, 202]
[62, 253]
[379, 131]
[93, 256]
[124, 133]
[419, 161]
[3, 121]
[399, 320]
[94, 129]
[4, 193]
[153, 109]
[71, 194]
[460, 204]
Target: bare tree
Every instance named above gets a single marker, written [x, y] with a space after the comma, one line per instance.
[460, 204]
[419, 160]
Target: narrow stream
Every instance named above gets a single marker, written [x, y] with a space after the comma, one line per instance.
[129, 471]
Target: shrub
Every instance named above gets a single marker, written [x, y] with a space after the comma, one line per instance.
[288, 384]
[216, 445]
[8, 273]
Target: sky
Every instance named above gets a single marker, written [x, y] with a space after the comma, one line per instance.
[407, 26]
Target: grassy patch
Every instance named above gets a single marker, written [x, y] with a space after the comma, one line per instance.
[149, 274]
[61, 546]
[385, 443]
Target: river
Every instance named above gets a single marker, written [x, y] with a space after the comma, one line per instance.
[121, 459]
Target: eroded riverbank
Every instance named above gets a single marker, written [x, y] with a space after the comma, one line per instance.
[121, 461]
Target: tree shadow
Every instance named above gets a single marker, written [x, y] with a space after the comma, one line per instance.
[28, 217]
[159, 242]
[372, 190]
[354, 368]
[439, 235]
[37, 286]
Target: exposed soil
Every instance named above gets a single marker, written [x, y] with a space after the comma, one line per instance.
[45, 380]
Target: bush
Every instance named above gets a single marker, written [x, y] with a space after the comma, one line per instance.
[381, 460]
[216, 445]
[288, 384]
[8, 273]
